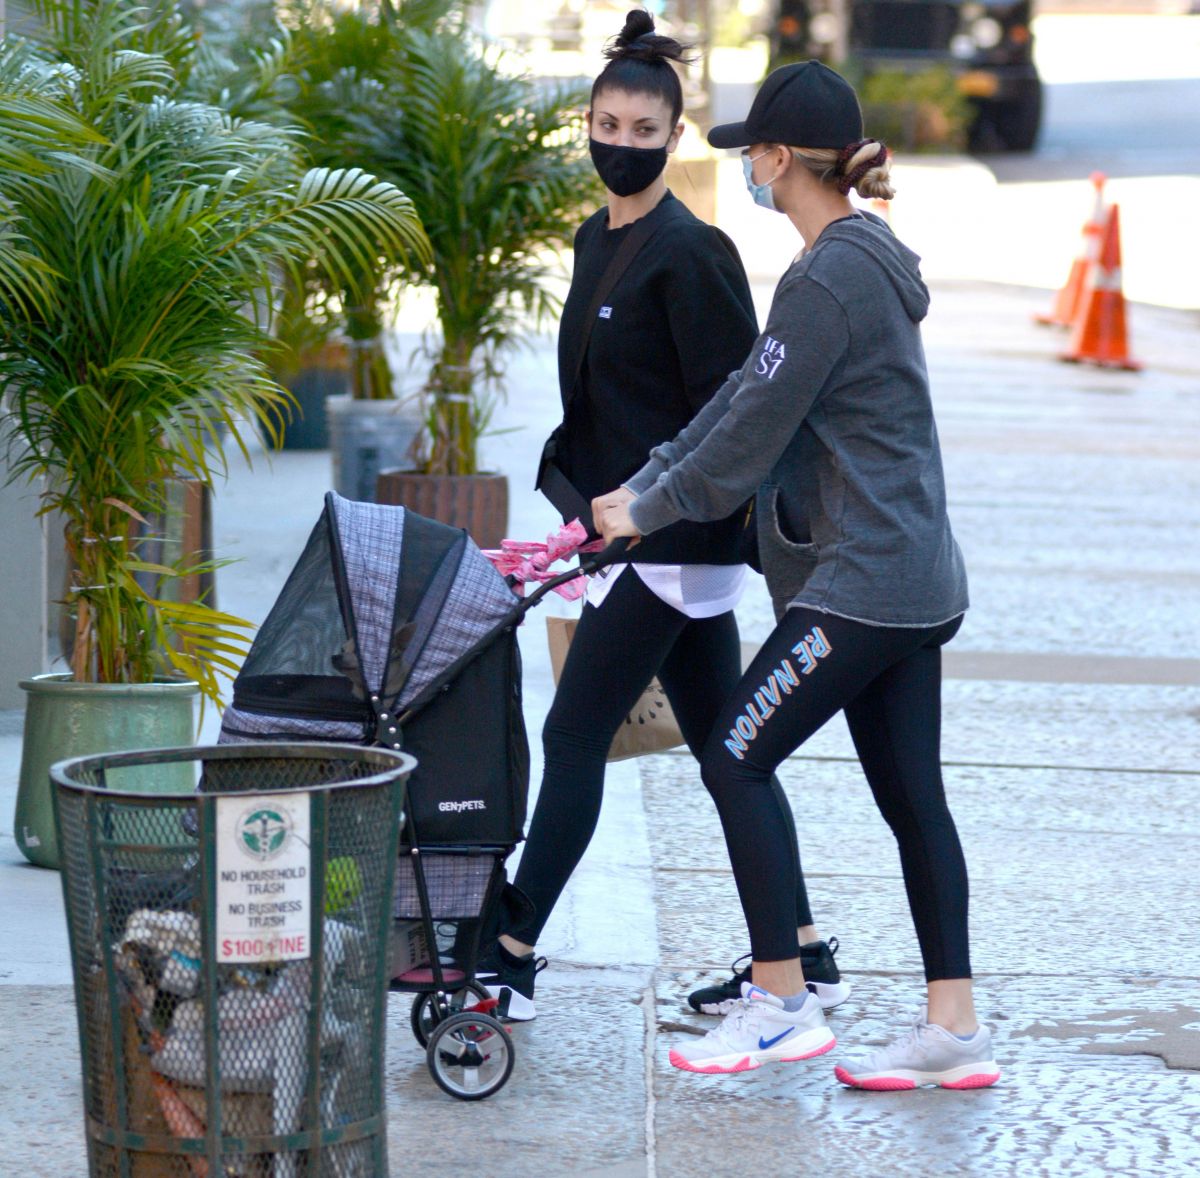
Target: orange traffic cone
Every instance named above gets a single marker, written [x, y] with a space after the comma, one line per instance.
[882, 208]
[1066, 302]
[1098, 335]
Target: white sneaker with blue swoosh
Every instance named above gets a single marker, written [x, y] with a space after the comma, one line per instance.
[756, 1031]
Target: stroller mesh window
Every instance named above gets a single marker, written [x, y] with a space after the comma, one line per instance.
[304, 629]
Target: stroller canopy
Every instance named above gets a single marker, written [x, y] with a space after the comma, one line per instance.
[395, 629]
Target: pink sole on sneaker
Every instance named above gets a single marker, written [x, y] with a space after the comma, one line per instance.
[899, 1084]
[983, 1080]
[745, 1064]
[879, 1084]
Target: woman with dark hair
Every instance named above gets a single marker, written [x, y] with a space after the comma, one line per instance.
[831, 414]
[636, 362]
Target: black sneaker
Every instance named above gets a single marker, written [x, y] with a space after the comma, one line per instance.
[820, 974]
[510, 979]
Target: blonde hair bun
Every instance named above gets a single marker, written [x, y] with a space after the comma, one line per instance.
[866, 167]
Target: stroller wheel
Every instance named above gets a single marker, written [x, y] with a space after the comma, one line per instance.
[470, 1055]
[428, 1010]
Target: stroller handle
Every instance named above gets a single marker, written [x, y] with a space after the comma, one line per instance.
[606, 556]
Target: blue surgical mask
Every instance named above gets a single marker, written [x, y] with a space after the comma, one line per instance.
[760, 192]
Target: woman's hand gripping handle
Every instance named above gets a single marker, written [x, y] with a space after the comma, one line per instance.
[611, 518]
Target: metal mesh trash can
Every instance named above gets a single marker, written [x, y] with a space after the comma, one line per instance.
[230, 953]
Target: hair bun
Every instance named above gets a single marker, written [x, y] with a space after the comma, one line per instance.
[863, 166]
[638, 41]
[637, 24]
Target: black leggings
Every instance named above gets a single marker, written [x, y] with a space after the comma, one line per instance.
[617, 649]
[888, 682]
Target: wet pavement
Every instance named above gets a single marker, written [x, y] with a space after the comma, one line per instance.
[1071, 732]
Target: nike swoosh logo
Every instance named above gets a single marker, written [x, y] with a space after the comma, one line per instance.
[763, 1044]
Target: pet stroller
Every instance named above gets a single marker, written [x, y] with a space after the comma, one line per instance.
[395, 630]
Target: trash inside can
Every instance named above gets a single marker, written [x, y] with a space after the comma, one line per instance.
[230, 954]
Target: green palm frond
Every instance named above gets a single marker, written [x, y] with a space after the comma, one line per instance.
[257, 84]
[84, 33]
[24, 277]
[341, 204]
[35, 112]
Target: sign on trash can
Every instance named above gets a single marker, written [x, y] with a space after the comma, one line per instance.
[263, 881]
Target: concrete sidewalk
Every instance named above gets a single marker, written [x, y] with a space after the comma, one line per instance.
[1072, 724]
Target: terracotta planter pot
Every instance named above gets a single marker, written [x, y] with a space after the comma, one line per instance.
[477, 502]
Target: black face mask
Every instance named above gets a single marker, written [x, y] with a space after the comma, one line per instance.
[626, 170]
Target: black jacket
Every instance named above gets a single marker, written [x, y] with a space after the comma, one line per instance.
[678, 321]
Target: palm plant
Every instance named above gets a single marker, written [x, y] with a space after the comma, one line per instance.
[316, 69]
[493, 164]
[142, 239]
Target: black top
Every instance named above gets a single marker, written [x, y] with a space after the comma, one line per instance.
[678, 321]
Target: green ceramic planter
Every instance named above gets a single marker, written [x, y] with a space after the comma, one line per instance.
[68, 719]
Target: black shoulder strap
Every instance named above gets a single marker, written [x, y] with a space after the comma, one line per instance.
[643, 230]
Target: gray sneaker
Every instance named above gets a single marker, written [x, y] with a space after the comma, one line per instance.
[927, 1054]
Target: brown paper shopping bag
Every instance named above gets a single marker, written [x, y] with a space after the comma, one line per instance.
[649, 728]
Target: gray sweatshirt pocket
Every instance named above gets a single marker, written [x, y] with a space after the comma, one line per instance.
[786, 564]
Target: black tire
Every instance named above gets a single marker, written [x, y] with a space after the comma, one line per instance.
[470, 1056]
[424, 1015]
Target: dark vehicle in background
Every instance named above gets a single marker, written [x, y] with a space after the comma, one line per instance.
[988, 44]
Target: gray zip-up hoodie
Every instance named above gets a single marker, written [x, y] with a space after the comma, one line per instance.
[830, 421]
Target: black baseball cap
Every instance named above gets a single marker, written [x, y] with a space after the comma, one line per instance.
[804, 104]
